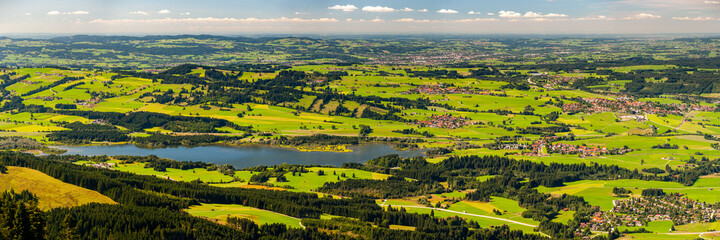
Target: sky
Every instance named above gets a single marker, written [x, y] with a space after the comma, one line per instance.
[143, 17]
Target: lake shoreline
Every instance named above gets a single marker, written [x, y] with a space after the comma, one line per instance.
[248, 155]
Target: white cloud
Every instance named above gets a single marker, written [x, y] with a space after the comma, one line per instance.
[377, 20]
[300, 13]
[139, 13]
[344, 8]
[54, 12]
[412, 20]
[555, 15]
[213, 20]
[164, 11]
[185, 13]
[477, 20]
[532, 15]
[643, 16]
[447, 11]
[693, 18]
[406, 9]
[377, 9]
[28, 14]
[509, 14]
[712, 2]
[599, 17]
[423, 10]
[474, 12]
[513, 14]
[491, 14]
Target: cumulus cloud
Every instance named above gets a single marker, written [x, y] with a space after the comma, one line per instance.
[555, 15]
[532, 15]
[423, 10]
[344, 8]
[213, 20]
[693, 18]
[185, 13]
[712, 2]
[643, 16]
[412, 20]
[377, 9]
[491, 14]
[513, 14]
[28, 14]
[164, 11]
[447, 11]
[376, 20]
[509, 14]
[477, 20]
[139, 13]
[599, 17]
[474, 12]
[406, 9]
[55, 12]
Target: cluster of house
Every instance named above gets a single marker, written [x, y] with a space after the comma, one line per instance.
[628, 105]
[30, 82]
[637, 212]
[428, 58]
[89, 103]
[440, 89]
[50, 74]
[103, 165]
[555, 80]
[545, 147]
[444, 121]
[46, 98]
[100, 121]
[585, 151]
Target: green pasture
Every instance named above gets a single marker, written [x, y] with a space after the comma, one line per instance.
[220, 213]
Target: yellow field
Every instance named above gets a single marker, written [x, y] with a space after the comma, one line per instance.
[51, 193]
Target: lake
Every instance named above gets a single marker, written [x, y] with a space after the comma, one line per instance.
[249, 155]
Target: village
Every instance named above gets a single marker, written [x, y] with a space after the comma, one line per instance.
[625, 104]
[545, 147]
[585, 151]
[637, 212]
[441, 89]
[445, 121]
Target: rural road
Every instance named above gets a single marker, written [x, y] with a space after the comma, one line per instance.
[700, 234]
[470, 214]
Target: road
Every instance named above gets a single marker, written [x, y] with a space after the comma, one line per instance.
[700, 234]
[470, 214]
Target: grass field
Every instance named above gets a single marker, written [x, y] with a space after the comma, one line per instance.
[177, 174]
[599, 193]
[220, 212]
[51, 193]
[311, 181]
[314, 114]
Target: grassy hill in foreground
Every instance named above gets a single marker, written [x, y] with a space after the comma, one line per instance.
[51, 193]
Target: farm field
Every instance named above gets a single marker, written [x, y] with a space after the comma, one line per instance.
[220, 212]
[474, 136]
[599, 193]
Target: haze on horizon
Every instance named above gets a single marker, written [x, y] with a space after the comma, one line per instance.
[359, 17]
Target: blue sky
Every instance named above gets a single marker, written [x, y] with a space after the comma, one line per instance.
[359, 16]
